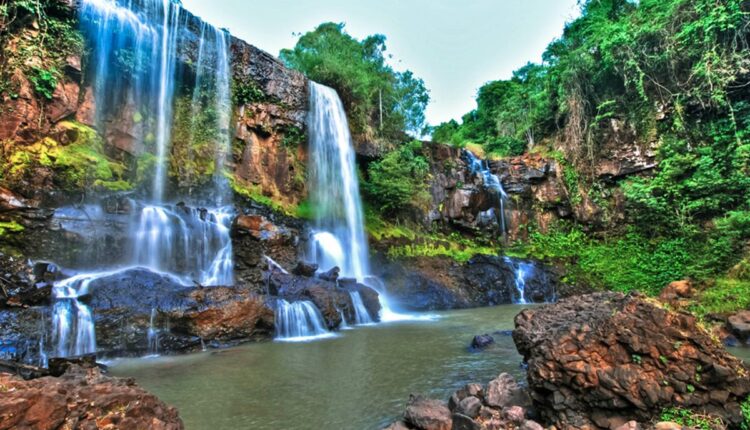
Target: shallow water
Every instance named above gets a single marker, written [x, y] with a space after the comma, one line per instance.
[360, 379]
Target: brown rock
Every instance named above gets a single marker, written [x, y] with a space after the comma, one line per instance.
[675, 291]
[83, 398]
[515, 415]
[739, 325]
[504, 391]
[428, 414]
[667, 425]
[462, 422]
[630, 425]
[603, 359]
[398, 425]
[531, 425]
[469, 406]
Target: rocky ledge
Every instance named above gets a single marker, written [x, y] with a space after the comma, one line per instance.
[601, 360]
[84, 398]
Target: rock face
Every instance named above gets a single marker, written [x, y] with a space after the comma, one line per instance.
[438, 283]
[81, 398]
[604, 359]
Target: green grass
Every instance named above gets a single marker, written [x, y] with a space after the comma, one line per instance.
[689, 418]
[10, 227]
[722, 296]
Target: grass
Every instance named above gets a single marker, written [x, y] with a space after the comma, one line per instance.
[255, 193]
[722, 296]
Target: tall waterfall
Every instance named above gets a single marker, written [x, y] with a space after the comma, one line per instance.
[491, 182]
[135, 45]
[338, 238]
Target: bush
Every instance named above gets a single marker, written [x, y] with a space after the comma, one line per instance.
[399, 180]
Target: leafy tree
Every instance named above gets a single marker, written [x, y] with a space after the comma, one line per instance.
[399, 180]
[380, 102]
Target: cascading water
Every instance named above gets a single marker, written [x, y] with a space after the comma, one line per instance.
[338, 238]
[152, 335]
[72, 321]
[361, 315]
[491, 182]
[135, 46]
[298, 321]
[521, 271]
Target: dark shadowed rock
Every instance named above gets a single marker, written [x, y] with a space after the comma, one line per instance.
[428, 414]
[604, 359]
[305, 269]
[739, 325]
[331, 275]
[463, 422]
[481, 341]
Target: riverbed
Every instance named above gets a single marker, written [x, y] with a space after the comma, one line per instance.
[360, 379]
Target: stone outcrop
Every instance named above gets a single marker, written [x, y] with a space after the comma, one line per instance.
[81, 398]
[436, 283]
[601, 360]
[501, 404]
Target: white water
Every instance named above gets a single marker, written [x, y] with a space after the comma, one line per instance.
[153, 335]
[491, 181]
[361, 315]
[299, 322]
[73, 331]
[521, 271]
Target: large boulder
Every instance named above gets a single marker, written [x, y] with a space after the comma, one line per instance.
[603, 359]
[428, 414]
[81, 398]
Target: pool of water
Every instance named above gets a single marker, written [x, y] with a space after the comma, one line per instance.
[360, 379]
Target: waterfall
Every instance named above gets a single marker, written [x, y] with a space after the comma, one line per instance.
[152, 335]
[72, 321]
[521, 271]
[491, 182]
[338, 238]
[361, 315]
[298, 321]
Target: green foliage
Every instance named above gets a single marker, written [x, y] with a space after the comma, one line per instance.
[247, 92]
[10, 227]
[399, 180]
[722, 296]
[357, 70]
[44, 81]
[691, 419]
[745, 407]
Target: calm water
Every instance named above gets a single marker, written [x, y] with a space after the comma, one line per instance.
[358, 380]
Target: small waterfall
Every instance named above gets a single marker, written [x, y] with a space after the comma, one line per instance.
[298, 321]
[72, 322]
[361, 315]
[344, 325]
[521, 272]
[153, 335]
[491, 182]
[339, 237]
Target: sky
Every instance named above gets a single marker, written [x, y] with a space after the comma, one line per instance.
[454, 45]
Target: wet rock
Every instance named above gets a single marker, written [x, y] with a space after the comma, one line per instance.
[398, 425]
[81, 398]
[331, 275]
[469, 406]
[427, 414]
[305, 269]
[481, 341]
[10, 201]
[604, 359]
[59, 365]
[515, 415]
[463, 422]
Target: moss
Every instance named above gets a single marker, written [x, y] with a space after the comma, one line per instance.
[255, 193]
[80, 163]
[410, 240]
[10, 227]
[293, 137]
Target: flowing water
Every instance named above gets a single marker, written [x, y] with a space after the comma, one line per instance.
[491, 182]
[521, 270]
[361, 314]
[360, 379]
[299, 322]
[339, 237]
[136, 45]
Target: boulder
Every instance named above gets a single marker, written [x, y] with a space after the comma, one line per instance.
[463, 422]
[305, 269]
[504, 391]
[676, 292]
[604, 359]
[331, 275]
[469, 406]
[481, 341]
[427, 414]
[739, 325]
[81, 398]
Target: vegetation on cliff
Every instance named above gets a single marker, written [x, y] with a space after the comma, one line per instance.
[675, 76]
[380, 102]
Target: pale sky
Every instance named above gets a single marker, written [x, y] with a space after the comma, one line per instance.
[454, 45]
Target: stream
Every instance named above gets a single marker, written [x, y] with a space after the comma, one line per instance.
[360, 379]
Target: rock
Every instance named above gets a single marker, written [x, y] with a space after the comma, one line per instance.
[504, 391]
[10, 201]
[630, 425]
[603, 359]
[81, 398]
[331, 275]
[739, 325]
[531, 425]
[462, 422]
[427, 414]
[469, 406]
[675, 292]
[515, 415]
[475, 390]
[481, 342]
[398, 425]
[305, 269]
[667, 425]
[59, 365]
